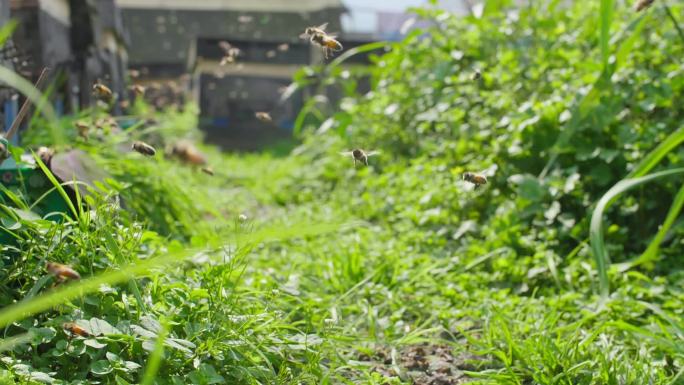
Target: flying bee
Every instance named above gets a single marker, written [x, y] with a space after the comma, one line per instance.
[134, 74]
[62, 272]
[310, 31]
[45, 154]
[188, 153]
[4, 153]
[82, 129]
[208, 171]
[102, 92]
[76, 330]
[283, 47]
[643, 4]
[225, 46]
[230, 53]
[328, 43]
[271, 53]
[477, 75]
[360, 155]
[143, 148]
[244, 19]
[137, 90]
[264, 117]
[476, 179]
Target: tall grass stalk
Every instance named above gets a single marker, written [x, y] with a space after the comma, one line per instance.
[155, 359]
[596, 228]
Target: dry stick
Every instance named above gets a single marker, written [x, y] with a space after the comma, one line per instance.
[25, 107]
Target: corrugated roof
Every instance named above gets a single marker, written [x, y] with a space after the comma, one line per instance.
[234, 5]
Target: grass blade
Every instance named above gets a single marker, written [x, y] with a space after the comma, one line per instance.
[22, 85]
[596, 228]
[670, 143]
[355, 51]
[57, 185]
[650, 254]
[10, 343]
[78, 289]
[606, 19]
[154, 362]
[7, 30]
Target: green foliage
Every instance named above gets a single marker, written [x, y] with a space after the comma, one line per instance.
[506, 280]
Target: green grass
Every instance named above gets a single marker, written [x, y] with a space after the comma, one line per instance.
[400, 272]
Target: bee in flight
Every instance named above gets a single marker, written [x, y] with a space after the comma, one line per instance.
[208, 170]
[477, 75]
[75, 330]
[360, 155]
[62, 272]
[476, 179]
[143, 148]
[318, 36]
[188, 153]
[45, 154]
[102, 92]
[264, 117]
[310, 31]
[230, 53]
[643, 4]
[82, 129]
[328, 43]
[137, 90]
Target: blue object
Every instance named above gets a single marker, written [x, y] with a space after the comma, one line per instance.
[221, 121]
[11, 110]
[59, 107]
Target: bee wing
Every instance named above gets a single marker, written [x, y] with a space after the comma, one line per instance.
[304, 36]
[225, 46]
[372, 153]
[347, 153]
[489, 171]
[323, 26]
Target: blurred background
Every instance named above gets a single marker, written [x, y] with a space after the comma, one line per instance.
[171, 47]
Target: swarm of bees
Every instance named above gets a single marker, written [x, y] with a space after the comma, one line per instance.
[102, 92]
[318, 36]
[143, 148]
[230, 53]
[62, 272]
[643, 4]
[264, 117]
[359, 155]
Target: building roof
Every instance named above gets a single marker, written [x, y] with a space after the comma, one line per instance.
[164, 36]
[234, 5]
